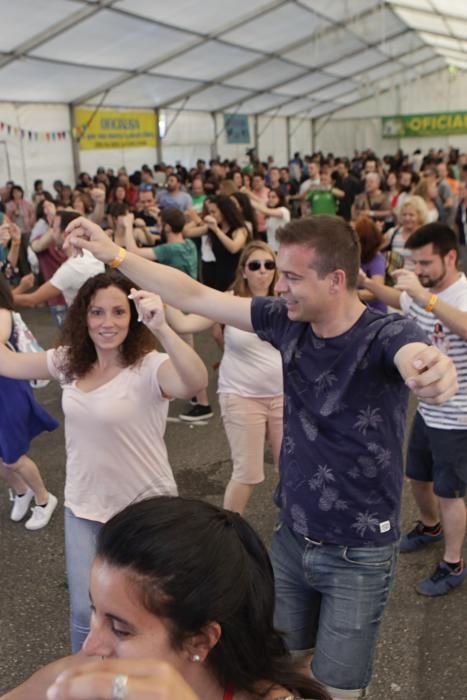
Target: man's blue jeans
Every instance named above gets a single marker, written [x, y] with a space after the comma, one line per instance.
[80, 550]
[58, 312]
[330, 599]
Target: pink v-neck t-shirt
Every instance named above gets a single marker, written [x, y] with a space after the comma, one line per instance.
[114, 437]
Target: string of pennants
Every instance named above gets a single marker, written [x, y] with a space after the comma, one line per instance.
[30, 135]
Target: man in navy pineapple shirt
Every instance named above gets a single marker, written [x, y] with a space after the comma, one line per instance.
[347, 371]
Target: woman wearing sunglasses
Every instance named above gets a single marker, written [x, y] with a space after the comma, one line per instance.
[250, 380]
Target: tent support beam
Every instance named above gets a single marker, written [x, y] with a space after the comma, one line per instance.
[159, 155]
[289, 138]
[215, 143]
[398, 108]
[256, 134]
[75, 153]
[272, 116]
[175, 117]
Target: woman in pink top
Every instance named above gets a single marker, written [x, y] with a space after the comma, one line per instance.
[20, 210]
[115, 400]
[22, 213]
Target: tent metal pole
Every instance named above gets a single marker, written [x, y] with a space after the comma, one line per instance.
[312, 135]
[175, 117]
[398, 109]
[215, 143]
[75, 153]
[256, 134]
[273, 116]
[159, 155]
[289, 139]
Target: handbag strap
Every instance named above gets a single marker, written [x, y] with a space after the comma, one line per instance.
[12, 340]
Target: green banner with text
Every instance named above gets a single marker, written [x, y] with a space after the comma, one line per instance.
[438, 124]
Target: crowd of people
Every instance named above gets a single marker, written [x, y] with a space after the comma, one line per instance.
[297, 271]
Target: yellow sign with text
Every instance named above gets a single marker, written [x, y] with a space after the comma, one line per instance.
[115, 129]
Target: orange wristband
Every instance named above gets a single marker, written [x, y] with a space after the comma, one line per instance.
[431, 303]
[119, 258]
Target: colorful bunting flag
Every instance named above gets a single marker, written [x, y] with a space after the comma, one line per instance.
[32, 135]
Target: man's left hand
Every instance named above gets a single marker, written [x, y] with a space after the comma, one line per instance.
[435, 377]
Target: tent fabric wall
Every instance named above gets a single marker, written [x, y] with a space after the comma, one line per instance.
[191, 135]
[272, 139]
[131, 158]
[29, 160]
[300, 136]
[359, 126]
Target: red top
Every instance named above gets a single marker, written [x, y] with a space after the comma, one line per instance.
[228, 693]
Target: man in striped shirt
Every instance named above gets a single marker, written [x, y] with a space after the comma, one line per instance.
[435, 297]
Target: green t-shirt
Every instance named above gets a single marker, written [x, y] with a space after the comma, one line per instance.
[198, 201]
[322, 202]
[183, 256]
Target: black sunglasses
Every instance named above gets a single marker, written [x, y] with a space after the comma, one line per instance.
[255, 265]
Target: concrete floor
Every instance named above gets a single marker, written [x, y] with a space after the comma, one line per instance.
[421, 653]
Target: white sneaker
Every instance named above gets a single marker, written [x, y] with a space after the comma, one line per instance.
[39, 383]
[20, 504]
[41, 514]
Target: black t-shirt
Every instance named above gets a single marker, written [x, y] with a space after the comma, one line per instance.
[148, 219]
[351, 186]
[344, 418]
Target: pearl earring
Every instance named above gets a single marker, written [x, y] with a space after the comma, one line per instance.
[196, 658]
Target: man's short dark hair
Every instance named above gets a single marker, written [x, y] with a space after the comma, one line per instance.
[174, 217]
[66, 217]
[441, 236]
[334, 241]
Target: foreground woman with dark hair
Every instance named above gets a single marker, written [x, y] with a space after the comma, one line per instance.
[115, 400]
[183, 583]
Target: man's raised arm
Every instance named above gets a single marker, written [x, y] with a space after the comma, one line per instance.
[173, 286]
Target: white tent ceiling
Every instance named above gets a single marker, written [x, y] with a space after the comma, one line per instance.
[283, 57]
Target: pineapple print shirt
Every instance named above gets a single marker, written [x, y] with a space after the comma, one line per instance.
[344, 418]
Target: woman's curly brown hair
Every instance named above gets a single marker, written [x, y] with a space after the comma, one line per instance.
[80, 352]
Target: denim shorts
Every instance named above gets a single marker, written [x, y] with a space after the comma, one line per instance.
[330, 599]
[439, 456]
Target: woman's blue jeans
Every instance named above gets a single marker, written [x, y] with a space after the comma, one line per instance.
[80, 550]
